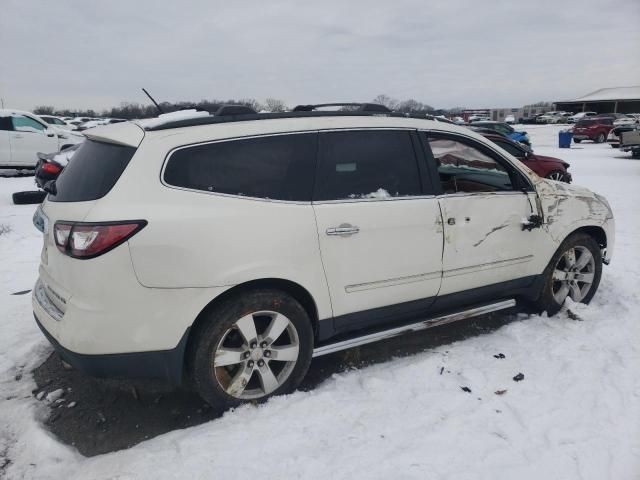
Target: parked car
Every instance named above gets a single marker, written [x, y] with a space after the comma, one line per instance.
[581, 116]
[50, 165]
[530, 120]
[23, 134]
[555, 117]
[615, 134]
[595, 129]
[510, 119]
[628, 119]
[630, 141]
[507, 130]
[546, 167]
[478, 118]
[57, 122]
[231, 250]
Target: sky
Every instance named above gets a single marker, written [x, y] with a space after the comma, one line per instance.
[80, 54]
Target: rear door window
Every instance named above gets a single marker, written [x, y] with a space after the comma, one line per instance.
[92, 171]
[366, 164]
[278, 167]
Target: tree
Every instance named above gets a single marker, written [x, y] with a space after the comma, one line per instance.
[44, 110]
[387, 101]
[275, 105]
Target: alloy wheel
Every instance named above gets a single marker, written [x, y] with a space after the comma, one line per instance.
[256, 355]
[573, 274]
[559, 176]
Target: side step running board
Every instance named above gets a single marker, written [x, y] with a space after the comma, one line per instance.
[414, 327]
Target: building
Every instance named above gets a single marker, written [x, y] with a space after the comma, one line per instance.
[605, 100]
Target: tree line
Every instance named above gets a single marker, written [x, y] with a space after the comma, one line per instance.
[131, 110]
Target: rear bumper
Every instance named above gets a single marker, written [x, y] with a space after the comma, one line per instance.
[166, 365]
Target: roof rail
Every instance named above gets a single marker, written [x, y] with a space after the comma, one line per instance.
[234, 110]
[361, 107]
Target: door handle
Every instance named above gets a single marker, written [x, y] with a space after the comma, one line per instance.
[344, 230]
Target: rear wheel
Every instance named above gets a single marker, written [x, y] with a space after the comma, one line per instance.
[600, 138]
[254, 346]
[574, 271]
[577, 140]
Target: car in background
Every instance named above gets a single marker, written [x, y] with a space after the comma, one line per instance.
[555, 117]
[546, 167]
[478, 118]
[24, 134]
[510, 119]
[50, 165]
[615, 135]
[506, 130]
[581, 116]
[628, 119]
[99, 122]
[595, 129]
[57, 122]
[533, 119]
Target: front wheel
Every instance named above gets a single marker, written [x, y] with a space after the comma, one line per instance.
[253, 346]
[577, 140]
[574, 271]
[600, 138]
[557, 175]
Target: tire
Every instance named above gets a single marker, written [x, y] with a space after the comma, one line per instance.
[242, 374]
[557, 175]
[29, 198]
[577, 140]
[635, 154]
[600, 138]
[550, 299]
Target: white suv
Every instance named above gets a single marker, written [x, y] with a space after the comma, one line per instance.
[234, 248]
[24, 134]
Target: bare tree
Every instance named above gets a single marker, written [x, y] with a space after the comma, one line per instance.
[387, 101]
[275, 105]
[44, 110]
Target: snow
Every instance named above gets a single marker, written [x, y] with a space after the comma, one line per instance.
[380, 194]
[171, 117]
[575, 415]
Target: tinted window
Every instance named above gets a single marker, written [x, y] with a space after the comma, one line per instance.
[511, 148]
[5, 123]
[366, 164]
[92, 171]
[278, 167]
[464, 168]
[26, 124]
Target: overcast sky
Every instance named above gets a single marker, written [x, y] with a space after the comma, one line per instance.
[444, 53]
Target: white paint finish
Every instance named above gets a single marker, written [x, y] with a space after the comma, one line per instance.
[123, 133]
[396, 252]
[486, 244]
[197, 244]
[25, 145]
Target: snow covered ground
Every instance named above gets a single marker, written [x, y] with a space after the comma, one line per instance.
[576, 414]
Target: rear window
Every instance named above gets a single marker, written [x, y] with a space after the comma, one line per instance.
[93, 170]
[277, 167]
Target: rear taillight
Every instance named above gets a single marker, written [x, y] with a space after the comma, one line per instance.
[51, 168]
[89, 240]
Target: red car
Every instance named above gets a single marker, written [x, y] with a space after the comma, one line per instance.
[547, 167]
[592, 128]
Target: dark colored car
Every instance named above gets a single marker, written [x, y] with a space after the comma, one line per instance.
[50, 165]
[506, 130]
[595, 129]
[547, 167]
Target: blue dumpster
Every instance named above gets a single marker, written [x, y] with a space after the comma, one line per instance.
[564, 138]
